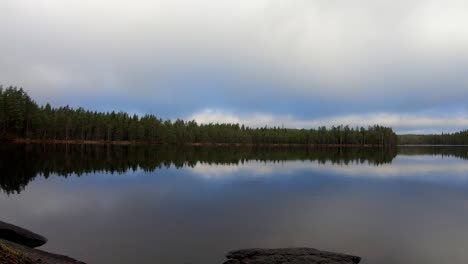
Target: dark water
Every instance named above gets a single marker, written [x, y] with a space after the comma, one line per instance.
[114, 204]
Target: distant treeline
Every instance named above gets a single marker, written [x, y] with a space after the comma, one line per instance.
[21, 163]
[21, 117]
[457, 138]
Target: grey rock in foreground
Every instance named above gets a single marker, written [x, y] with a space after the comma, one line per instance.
[288, 256]
[20, 235]
[39, 256]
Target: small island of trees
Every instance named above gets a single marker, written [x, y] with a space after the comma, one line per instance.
[22, 118]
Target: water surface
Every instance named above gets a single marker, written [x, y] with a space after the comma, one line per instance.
[121, 204]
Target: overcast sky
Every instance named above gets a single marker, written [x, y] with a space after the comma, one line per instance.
[401, 63]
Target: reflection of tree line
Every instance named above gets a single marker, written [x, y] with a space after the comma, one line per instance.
[21, 163]
[447, 151]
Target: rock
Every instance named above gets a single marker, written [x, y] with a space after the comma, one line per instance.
[12, 253]
[288, 256]
[20, 235]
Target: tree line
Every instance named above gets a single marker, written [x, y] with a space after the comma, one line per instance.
[457, 138]
[22, 117]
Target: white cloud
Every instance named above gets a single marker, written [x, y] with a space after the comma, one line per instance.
[401, 122]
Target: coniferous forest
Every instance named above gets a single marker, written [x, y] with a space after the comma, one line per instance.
[22, 117]
[457, 138]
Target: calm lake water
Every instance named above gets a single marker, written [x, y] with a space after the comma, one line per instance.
[120, 204]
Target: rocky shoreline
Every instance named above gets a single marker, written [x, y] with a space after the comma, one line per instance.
[20, 235]
[288, 255]
[17, 247]
[12, 253]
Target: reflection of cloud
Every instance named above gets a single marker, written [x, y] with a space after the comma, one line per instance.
[423, 171]
[404, 167]
[250, 169]
[87, 217]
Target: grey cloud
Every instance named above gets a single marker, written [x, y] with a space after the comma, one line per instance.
[291, 58]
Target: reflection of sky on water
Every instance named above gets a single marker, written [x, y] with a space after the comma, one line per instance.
[422, 168]
[414, 210]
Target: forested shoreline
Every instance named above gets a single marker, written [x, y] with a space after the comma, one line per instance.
[457, 138]
[22, 118]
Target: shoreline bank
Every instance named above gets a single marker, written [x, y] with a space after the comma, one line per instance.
[124, 142]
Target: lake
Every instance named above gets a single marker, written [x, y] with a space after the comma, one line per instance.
[150, 204]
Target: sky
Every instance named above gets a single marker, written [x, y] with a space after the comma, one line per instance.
[295, 63]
